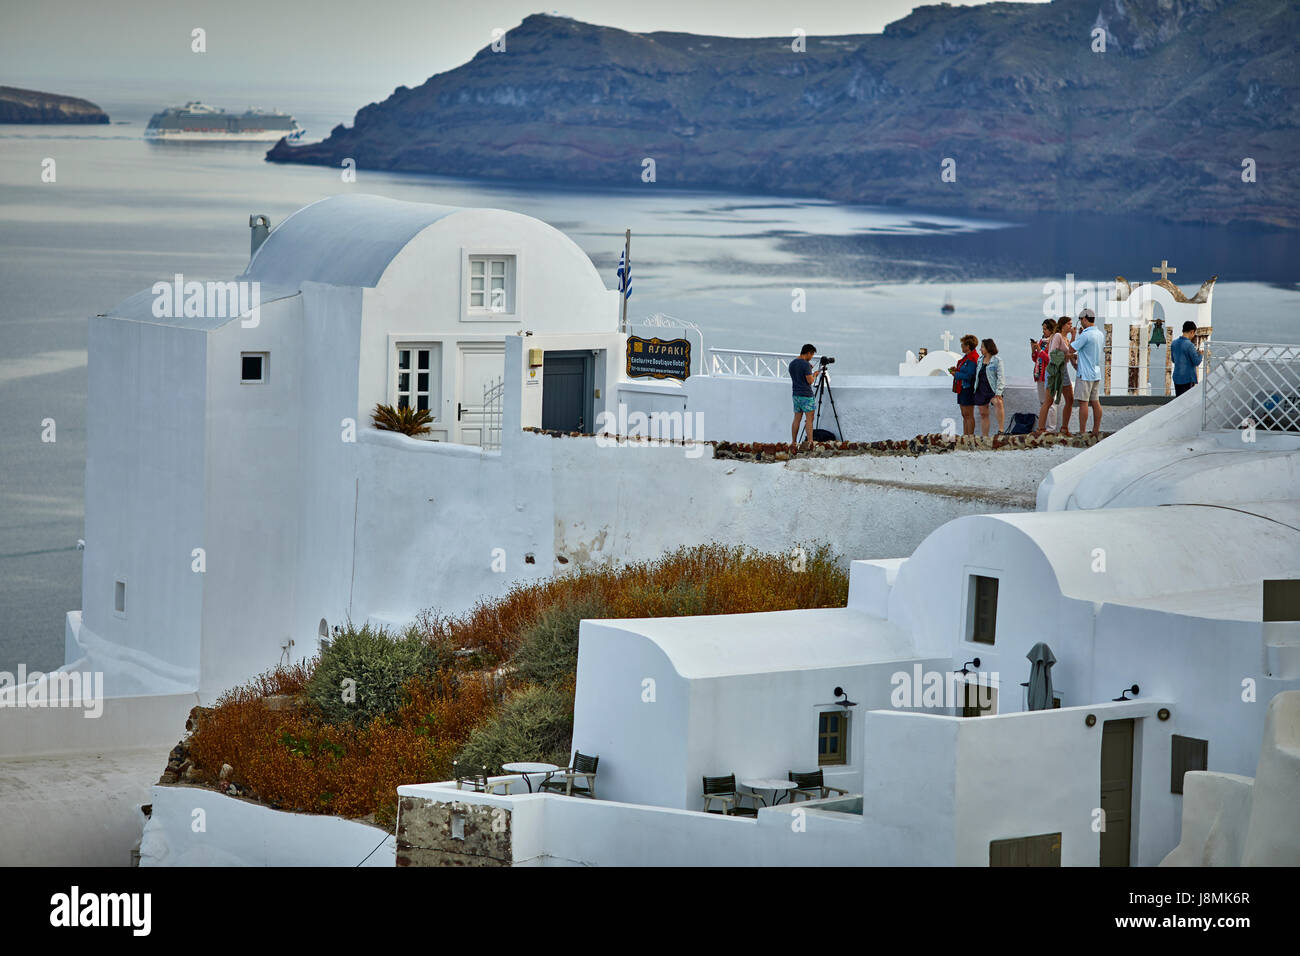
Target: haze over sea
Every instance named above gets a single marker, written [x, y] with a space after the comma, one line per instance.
[124, 213]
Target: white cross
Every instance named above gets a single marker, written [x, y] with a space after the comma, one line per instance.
[1163, 269]
[947, 340]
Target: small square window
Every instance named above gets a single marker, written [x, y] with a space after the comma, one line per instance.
[253, 367]
[119, 597]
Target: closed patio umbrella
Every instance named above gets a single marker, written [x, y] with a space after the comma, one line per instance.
[1040, 676]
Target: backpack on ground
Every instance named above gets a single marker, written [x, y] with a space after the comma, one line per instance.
[1022, 423]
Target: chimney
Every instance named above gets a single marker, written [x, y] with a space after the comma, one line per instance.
[261, 228]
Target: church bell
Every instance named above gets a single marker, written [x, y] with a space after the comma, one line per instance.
[1157, 332]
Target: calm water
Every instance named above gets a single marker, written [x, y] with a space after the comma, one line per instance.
[124, 213]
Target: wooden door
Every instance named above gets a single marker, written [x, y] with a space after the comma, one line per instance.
[1116, 791]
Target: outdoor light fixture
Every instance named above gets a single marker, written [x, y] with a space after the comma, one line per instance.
[965, 668]
[1163, 713]
[1123, 695]
[839, 692]
[1091, 720]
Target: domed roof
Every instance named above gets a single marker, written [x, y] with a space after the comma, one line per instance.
[342, 240]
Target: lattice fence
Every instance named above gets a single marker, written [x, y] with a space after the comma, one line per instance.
[1248, 385]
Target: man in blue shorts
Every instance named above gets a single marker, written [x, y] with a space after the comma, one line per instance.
[802, 378]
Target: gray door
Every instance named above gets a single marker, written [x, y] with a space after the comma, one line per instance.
[567, 392]
[1116, 791]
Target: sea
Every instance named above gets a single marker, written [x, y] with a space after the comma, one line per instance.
[756, 272]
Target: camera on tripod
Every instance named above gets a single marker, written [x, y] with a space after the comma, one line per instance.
[827, 360]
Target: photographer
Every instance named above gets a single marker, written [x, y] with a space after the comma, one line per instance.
[802, 379]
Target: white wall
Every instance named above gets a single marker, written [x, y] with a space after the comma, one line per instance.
[145, 503]
[239, 832]
[252, 489]
[943, 788]
[641, 744]
[550, 830]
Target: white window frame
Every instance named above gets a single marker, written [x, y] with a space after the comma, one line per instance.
[415, 342]
[512, 285]
[266, 368]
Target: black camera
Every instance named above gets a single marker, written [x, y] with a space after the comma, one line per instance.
[827, 360]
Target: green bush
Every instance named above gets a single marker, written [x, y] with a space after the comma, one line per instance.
[379, 663]
[548, 648]
[535, 724]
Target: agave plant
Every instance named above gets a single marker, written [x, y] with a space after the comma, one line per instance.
[407, 421]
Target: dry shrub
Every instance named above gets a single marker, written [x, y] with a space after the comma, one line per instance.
[296, 761]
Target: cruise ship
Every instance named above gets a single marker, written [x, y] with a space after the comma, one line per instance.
[198, 122]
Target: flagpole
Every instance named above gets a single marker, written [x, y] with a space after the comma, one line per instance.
[627, 274]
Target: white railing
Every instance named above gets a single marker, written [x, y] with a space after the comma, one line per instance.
[1250, 386]
[738, 363]
[493, 404]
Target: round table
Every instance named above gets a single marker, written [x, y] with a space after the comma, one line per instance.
[525, 768]
[775, 784]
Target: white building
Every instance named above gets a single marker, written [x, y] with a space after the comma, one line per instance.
[1144, 572]
[239, 506]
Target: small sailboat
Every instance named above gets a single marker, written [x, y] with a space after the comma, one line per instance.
[948, 308]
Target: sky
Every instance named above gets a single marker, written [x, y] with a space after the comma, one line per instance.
[363, 48]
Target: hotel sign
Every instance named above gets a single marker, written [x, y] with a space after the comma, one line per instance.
[655, 358]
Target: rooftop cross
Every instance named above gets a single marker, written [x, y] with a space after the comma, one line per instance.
[947, 340]
[1163, 269]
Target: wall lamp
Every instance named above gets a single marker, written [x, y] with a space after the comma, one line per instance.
[1123, 695]
[965, 668]
[839, 692]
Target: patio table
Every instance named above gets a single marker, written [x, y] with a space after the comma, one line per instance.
[525, 768]
[775, 784]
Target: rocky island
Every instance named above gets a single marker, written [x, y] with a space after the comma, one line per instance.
[1108, 106]
[31, 106]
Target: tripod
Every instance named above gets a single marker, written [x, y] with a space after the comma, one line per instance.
[823, 392]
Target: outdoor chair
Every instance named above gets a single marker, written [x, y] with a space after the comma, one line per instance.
[723, 790]
[566, 781]
[477, 780]
[811, 785]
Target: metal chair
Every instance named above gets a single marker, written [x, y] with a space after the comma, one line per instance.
[723, 789]
[565, 781]
[811, 785]
[477, 780]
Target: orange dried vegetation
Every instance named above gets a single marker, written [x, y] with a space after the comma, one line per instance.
[294, 760]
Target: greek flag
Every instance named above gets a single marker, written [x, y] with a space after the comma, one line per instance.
[624, 275]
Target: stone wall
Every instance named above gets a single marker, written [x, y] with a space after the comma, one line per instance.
[452, 834]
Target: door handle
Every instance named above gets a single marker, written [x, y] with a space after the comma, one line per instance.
[458, 411]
